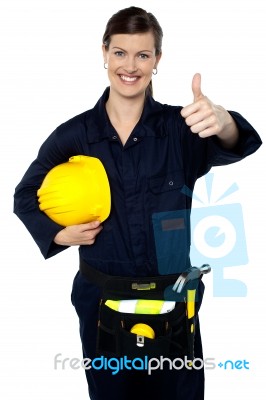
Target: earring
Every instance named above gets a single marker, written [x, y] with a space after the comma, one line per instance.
[105, 66]
[155, 71]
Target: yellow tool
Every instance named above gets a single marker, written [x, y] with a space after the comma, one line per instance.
[190, 278]
[191, 297]
[143, 330]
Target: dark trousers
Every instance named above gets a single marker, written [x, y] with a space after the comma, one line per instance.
[175, 384]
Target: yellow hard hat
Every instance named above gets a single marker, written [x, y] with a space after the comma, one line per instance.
[76, 192]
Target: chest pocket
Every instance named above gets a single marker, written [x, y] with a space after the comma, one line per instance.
[170, 222]
[172, 181]
[165, 191]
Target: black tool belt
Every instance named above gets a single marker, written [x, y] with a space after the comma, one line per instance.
[174, 336]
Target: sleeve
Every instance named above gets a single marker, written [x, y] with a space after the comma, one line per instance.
[63, 143]
[248, 143]
[201, 154]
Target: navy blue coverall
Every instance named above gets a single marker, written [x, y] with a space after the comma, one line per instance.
[146, 177]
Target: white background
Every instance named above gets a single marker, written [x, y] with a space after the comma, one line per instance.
[52, 69]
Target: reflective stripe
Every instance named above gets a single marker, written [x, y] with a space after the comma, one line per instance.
[149, 306]
[139, 306]
[167, 307]
[113, 304]
[127, 306]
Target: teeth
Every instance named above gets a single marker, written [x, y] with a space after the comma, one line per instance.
[128, 78]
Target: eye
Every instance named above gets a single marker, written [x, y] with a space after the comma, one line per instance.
[119, 53]
[143, 56]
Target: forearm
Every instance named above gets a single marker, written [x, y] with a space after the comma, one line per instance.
[229, 136]
[42, 230]
[26, 207]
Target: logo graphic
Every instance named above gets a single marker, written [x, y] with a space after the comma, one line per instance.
[231, 364]
[218, 238]
[116, 365]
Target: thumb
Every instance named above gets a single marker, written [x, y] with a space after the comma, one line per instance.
[196, 87]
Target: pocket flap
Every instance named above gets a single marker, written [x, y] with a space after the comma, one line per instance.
[172, 181]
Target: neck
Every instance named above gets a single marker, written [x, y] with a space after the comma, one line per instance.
[124, 113]
[123, 109]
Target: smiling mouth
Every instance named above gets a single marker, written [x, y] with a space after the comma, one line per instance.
[129, 79]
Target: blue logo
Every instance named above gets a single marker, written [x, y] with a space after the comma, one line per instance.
[218, 239]
[230, 364]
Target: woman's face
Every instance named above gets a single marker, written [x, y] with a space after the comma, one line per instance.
[131, 60]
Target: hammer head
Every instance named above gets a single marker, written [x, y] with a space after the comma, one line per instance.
[193, 273]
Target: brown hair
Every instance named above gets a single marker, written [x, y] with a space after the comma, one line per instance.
[134, 20]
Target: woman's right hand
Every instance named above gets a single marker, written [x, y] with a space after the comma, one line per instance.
[75, 235]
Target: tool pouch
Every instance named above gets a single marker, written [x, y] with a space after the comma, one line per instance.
[173, 335]
[115, 339]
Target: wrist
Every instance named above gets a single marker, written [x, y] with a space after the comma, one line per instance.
[229, 135]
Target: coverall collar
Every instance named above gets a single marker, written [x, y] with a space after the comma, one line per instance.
[151, 122]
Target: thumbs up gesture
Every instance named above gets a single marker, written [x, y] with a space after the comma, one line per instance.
[196, 87]
[207, 119]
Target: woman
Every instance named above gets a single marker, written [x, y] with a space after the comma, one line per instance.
[150, 152]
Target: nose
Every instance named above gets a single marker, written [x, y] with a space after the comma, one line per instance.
[130, 65]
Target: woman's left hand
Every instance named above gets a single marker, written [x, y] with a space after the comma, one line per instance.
[207, 119]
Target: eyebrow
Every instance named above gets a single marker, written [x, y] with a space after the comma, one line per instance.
[141, 51]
